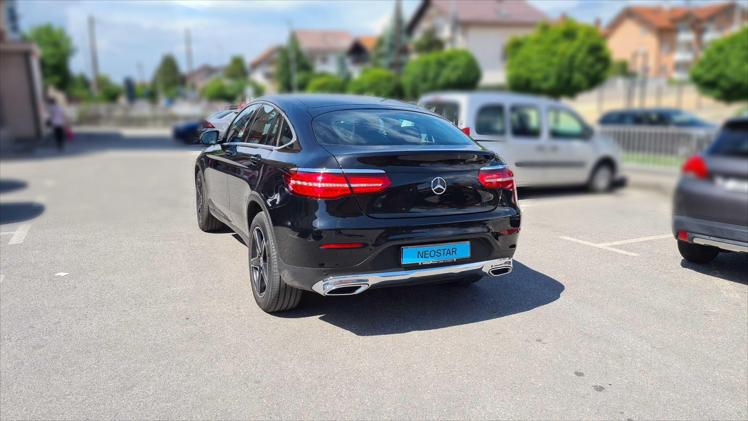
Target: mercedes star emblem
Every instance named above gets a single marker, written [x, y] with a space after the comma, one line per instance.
[438, 185]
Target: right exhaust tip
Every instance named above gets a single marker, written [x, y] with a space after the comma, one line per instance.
[498, 271]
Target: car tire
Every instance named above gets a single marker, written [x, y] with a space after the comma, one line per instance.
[270, 292]
[205, 220]
[696, 253]
[601, 179]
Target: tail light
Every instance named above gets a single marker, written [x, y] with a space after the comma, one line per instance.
[696, 167]
[342, 246]
[208, 125]
[325, 185]
[499, 178]
[466, 130]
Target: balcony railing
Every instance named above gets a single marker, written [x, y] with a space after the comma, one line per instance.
[685, 36]
[683, 56]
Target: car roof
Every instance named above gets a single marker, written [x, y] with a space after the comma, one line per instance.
[645, 110]
[316, 104]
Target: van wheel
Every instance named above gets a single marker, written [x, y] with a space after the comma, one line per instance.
[601, 179]
[205, 220]
[269, 290]
[696, 253]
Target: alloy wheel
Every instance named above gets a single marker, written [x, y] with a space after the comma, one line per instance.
[258, 262]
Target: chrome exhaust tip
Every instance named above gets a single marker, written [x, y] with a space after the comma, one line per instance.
[502, 268]
[336, 288]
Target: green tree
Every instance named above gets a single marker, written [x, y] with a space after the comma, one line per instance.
[450, 69]
[377, 82]
[79, 88]
[145, 90]
[257, 89]
[325, 83]
[167, 78]
[722, 71]
[291, 52]
[390, 51]
[56, 49]
[220, 89]
[558, 60]
[108, 90]
[236, 68]
[428, 42]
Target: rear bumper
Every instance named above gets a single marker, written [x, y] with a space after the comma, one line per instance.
[717, 234]
[358, 283]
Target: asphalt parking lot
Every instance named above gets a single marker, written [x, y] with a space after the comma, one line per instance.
[114, 305]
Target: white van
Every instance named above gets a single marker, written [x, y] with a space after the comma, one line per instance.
[544, 141]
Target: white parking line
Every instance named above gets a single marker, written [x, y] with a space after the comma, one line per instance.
[600, 246]
[637, 240]
[608, 246]
[18, 235]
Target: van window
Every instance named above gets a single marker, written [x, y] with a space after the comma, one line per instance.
[448, 110]
[490, 120]
[525, 121]
[562, 124]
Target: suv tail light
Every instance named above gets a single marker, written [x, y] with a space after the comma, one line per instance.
[696, 167]
[499, 178]
[325, 185]
[466, 130]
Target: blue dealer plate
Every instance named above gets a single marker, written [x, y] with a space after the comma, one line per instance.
[421, 255]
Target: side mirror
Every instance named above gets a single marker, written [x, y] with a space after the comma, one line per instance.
[209, 137]
[588, 132]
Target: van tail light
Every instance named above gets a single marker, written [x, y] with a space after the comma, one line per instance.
[498, 178]
[328, 185]
[466, 130]
[696, 167]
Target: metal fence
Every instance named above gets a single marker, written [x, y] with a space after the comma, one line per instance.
[658, 146]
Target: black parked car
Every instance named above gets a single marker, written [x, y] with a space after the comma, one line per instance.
[337, 194]
[663, 117]
[711, 201]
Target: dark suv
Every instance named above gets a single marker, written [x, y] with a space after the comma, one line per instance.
[338, 194]
[710, 213]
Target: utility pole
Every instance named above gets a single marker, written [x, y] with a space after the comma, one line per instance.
[141, 73]
[292, 56]
[396, 30]
[188, 49]
[94, 57]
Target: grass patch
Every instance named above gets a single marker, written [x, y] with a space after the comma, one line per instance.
[670, 161]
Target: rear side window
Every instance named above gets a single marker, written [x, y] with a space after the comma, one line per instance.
[490, 120]
[448, 110]
[562, 124]
[265, 127]
[385, 128]
[286, 135]
[731, 141]
[525, 121]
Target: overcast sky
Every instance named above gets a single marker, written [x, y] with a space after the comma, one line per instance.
[129, 32]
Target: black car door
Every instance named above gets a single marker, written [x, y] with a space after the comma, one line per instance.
[249, 158]
[220, 165]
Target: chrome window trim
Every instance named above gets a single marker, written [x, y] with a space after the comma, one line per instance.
[272, 148]
[340, 171]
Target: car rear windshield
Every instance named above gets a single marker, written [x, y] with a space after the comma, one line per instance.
[732, 140]
[385, 128]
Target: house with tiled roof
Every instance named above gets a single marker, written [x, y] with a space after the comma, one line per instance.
[664, 42]
[360, 54]
[262, 68]
[324, 48]
[483, 27]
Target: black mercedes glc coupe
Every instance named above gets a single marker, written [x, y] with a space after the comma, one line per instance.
[337, 194]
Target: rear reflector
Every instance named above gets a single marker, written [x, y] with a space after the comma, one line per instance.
[509, 231]
[683, 235]
[338, 246]
[696, 166]
[324, 185]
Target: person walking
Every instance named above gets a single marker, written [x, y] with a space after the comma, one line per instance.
[58, 122]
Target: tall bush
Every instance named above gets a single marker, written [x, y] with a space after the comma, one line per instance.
[377, 82]
[450, 69]
[722, 72]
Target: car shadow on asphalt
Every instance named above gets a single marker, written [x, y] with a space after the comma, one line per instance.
[9, 185]
[388, 311]
[731, 267]
[19, 211]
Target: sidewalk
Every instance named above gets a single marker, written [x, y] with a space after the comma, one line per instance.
[661, 180]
